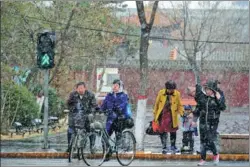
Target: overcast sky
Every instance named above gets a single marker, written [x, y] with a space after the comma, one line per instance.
[194, 4]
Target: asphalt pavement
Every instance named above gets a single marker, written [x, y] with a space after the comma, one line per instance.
[113, 162]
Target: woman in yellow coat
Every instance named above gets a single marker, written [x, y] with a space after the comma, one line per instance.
[166, 109]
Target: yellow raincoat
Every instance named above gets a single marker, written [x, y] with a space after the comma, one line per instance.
[176, 106]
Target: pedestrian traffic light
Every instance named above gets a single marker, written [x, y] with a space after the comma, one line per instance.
[45, 50]
[45, 60]
[173, 54]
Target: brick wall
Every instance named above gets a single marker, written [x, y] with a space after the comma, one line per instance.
[234, 84]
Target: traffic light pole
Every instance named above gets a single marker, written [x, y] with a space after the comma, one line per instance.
[46, 108]
[45, 61]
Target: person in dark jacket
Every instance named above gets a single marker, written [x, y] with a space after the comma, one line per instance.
[210, 103]
[81, 103]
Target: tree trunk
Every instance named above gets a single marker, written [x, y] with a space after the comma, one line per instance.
[195, 69]
[101, 79]
[6, 122]
[144, 62]
[14, 117]
[31, 77]
[93, 76]
[3, 114]
[142, 98]
[88, 71]
[249, 84]
[90, 76]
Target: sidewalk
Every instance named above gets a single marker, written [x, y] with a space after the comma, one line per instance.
[31, 148]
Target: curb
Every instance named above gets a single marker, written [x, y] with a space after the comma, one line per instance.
[159, 156]
[139, 155]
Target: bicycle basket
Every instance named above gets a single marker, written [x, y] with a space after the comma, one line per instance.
[99, 121]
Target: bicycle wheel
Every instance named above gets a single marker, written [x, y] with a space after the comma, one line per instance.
[125, 148]
[73, 149]
[93, 149]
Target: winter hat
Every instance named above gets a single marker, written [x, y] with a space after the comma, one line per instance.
[187, 107]
[211, 84]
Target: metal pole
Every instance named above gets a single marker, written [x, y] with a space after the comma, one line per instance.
[46, 108]
[247, 55]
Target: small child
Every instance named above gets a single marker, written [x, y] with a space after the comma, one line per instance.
[188, 128]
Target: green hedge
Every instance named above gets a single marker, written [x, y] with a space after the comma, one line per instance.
[56, 104]
[17, 104]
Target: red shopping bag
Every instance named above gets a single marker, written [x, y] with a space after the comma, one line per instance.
[153, 128]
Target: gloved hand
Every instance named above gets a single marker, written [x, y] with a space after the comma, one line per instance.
[117, 110]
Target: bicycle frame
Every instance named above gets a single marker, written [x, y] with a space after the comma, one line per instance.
[108, 140]
[111, 143]
[79, 133]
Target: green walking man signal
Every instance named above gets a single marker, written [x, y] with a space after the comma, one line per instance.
[45, 60]
[45, 50]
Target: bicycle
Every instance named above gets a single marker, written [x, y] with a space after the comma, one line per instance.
[125, 151]
[75, 143]
[78, 134]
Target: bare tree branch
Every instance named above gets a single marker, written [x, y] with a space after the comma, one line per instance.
[152, 18]
[29, 31]
[40, 12]
[63, 36]
[141, 15]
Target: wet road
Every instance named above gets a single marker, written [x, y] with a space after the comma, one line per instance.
[113, 162]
